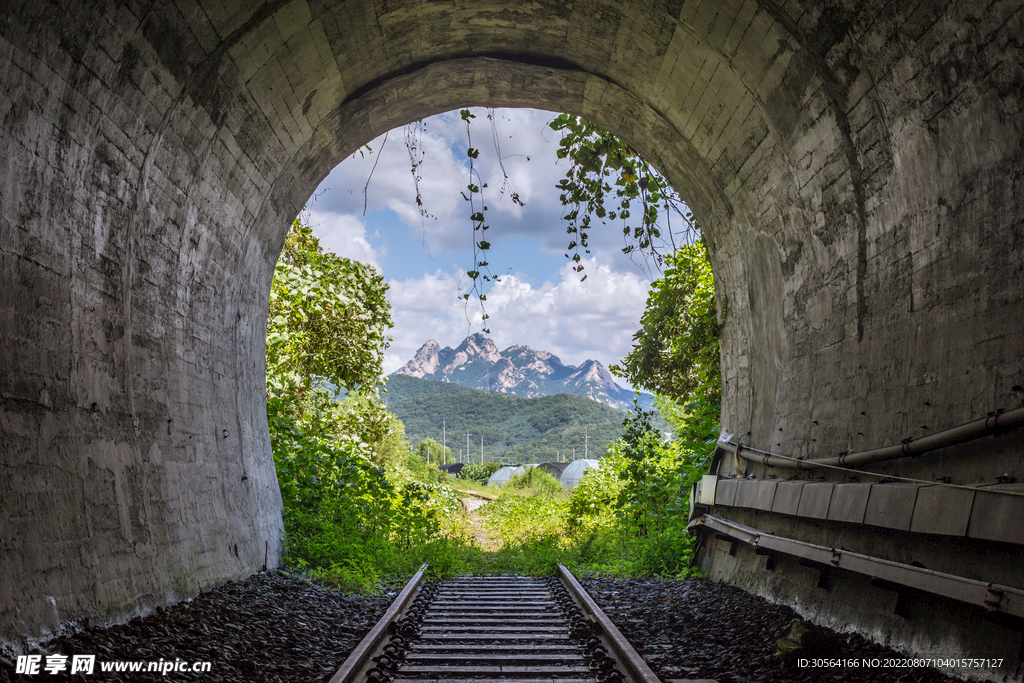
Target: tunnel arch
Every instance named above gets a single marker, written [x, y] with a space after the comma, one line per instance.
[857, 170]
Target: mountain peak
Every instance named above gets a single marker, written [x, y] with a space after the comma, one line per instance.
[425, 361]
[479, 345]
[518, 370]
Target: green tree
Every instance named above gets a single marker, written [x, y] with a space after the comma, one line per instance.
[479, 472]
[353, 509]
[675, 352]
[329, 316]
[430, 451]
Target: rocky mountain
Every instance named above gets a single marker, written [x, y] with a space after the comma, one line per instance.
[517, 370]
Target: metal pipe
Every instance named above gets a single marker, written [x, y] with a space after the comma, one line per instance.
[1011, 419]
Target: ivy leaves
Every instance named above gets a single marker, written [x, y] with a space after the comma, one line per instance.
[606, 179]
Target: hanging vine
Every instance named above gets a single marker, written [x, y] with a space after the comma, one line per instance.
[607, 180]
[413, 134]
[481, 267]
[605, 177]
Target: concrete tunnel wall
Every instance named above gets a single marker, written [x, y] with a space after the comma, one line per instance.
[857, 170]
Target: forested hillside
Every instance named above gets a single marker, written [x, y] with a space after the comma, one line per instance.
[513, 428]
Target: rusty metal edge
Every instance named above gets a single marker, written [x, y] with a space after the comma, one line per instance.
[478, 495]
[630, 658]
[989, 596]
[361, 655]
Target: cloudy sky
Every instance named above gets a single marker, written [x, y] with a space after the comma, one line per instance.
[540, 301]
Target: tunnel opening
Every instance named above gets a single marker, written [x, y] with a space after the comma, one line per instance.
[858, 168]
[528, 391]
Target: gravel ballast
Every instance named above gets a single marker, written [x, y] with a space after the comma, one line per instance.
[698, 629]
[272, 627]
[277, 627]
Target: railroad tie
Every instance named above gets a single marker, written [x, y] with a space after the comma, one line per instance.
[508, 629]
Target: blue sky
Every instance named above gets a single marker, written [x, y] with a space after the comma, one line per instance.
[540, 301]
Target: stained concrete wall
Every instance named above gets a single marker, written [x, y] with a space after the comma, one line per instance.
[857, 169]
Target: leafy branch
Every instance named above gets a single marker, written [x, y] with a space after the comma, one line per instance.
[328, 317]
[675, 351]
[607, 179]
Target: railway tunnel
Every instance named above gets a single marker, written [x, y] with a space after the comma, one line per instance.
[856, 166]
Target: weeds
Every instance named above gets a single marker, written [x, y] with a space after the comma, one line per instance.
[627, 517]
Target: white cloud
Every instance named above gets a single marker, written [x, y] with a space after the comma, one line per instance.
[345, 235]
[574, 320]
[518, 134]
[428, 294]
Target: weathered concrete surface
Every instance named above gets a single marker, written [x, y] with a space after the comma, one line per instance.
[857, 168]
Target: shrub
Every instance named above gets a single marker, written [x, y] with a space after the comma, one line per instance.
[535, 482]
[480, 473]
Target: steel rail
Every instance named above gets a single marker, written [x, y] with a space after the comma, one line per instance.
[628, 656]
[500, 628]
[360, 656]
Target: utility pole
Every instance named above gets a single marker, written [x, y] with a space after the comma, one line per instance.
[586, 443]
[444, 443]
[467, 444]
[481, 449]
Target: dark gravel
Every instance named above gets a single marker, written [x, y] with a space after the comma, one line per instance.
[271, 627]
[279, 627]
[698, 629]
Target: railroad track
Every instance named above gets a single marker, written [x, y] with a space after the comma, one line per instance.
[511, 629]
[477, 495]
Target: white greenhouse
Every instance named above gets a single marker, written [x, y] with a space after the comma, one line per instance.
[501, 477]
[574, 472]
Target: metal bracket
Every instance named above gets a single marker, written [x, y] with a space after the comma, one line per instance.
[995, 598]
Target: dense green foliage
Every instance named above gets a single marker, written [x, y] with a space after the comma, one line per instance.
[675, 351]
[358, 505]
[537, 483]
[514, 429]
[352, 521]
[328, 316]
[627, 516]
[476, 472]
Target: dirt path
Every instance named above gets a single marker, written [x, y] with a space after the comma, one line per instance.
[476, 524]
